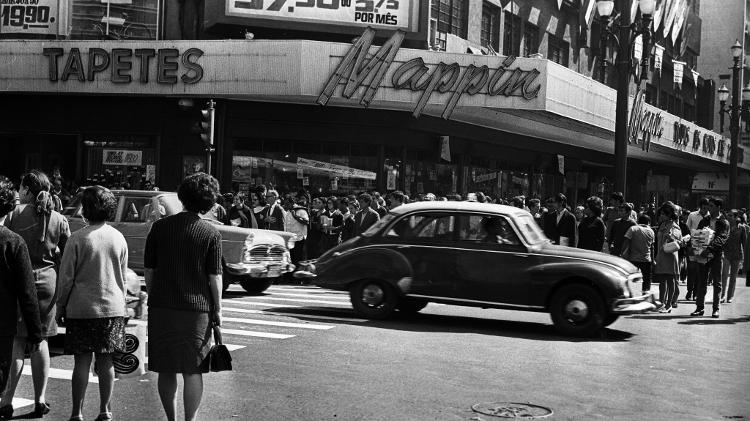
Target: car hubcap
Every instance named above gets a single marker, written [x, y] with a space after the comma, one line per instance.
[372, 295]
[576, 310]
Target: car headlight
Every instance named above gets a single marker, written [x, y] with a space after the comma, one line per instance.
[290, 243]
[246, 258]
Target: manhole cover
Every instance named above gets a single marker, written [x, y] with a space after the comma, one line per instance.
[512, 410]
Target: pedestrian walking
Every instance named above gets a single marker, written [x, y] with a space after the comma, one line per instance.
[93, 305]
[367, 216]
[183, 276]
[667, 263]
[332, 228]
[693, 267]
[258, 207]
[734, 252]
[315, 232]
[560, 224]
[18, 296]
[620, 226]
[349, 230]
[638, 247]
[714, 255]
[239, 215]
[297, 221]
[274, 213]
[45, 232]
[591, 230]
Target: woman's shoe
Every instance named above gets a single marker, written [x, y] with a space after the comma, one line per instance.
[104, 416]
[697, 313]
[6, 412]
[41, 409]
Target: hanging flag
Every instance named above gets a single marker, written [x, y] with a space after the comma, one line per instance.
[586, 15]
[695, 77]
[445, 148]
[559, 4]
[679, 67]
[679, 21]
[685, 37]
[633, 10]
[670, 17]
[658, 13]
[658, 55]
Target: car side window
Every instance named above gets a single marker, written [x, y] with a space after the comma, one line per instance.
[424, 226]
[137, 209]
[487, 229]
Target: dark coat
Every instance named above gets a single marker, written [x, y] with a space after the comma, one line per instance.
[364, 219]
[721, 234]
[591, 233]
[244, 214]
[566, 227]
[17, 288]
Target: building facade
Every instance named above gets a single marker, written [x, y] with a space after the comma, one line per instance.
[301, 103]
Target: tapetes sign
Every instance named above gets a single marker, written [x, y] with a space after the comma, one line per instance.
[415, 75]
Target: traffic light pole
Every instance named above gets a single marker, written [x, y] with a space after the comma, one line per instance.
[208, 116]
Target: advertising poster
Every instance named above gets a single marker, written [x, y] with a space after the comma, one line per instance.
[192, 164]
[45, 17]
[394, 14]
[121, 156]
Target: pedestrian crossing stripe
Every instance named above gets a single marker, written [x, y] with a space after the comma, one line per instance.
[298, 300]
[279, 324]
[345, 300]
[291, 314]
[310, 289]
[58, 373]
[251, 333]
[21, 402]
[255, 303]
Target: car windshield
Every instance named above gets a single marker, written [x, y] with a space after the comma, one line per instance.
[529, 229]
[378, 225]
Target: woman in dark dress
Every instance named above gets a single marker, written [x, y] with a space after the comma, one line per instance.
[258, 206]
[45, 232]
[591, 230]
[315, 233]
[183, 276]
[332, 230]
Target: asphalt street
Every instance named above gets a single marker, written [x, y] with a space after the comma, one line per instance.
[300, 353]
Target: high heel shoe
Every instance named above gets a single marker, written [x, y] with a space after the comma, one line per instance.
[6, 412]
[41, 409]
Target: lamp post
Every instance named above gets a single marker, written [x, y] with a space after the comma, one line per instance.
[734, 111]
[624, 42]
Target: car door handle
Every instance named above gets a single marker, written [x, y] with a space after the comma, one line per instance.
[520, 255]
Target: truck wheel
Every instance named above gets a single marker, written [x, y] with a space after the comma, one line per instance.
[255, 286]
[577, 310]
[411, 305]
[373, 299]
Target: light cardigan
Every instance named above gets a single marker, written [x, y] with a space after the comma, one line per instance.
[92, 274]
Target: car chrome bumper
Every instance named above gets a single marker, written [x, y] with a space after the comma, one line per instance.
[305, 270]
[634, 305]
[260, 270]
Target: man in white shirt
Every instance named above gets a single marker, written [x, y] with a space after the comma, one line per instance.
[693, 219]
[296, 220]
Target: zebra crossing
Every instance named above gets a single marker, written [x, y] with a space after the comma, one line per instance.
[283, 313]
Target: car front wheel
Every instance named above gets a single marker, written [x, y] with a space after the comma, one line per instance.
[373, 299]
[577, 310]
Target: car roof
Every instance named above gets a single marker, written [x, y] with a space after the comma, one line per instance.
[458, 206]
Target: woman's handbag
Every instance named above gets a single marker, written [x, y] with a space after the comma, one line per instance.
[671, 247]
[219, 355]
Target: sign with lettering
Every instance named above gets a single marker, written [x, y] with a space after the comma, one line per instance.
[121, 157]
[644, 124]
[378, 13]
[334, 169]
[710, 181]
[119, 64]
[33, 17]
[358, 69]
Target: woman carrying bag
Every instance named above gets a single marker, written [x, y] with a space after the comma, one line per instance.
[92, 299]
[667, 263]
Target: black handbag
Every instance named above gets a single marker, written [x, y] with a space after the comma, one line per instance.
[219, 355]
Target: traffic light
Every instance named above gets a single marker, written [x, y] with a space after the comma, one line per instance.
[207, 124]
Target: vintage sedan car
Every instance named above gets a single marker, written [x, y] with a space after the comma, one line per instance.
[253, 257]
[480, 255]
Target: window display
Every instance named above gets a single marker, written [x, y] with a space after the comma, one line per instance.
[115, 19]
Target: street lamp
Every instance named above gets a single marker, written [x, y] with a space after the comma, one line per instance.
[624, 43]
[734, 111]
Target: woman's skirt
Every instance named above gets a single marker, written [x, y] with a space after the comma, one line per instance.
[45, 281]
[105, 335]
[178, 341]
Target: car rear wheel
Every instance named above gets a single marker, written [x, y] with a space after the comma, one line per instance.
[610, 318]
[577, 310]
[255, 286]
[373, 299]
[411, 305]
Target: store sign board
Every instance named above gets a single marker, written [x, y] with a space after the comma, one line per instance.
[710, 181]
[333, 169]
[41, 17]
[377, 13]
[359, 69]
[121, 157]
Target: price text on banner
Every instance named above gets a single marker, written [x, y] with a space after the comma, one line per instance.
[121, 157]
[28, 16]
[378, 13]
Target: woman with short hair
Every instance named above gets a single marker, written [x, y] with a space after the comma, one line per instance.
[667, 263]
[45, 232]
[591, 229]
[92, 298]
[183, 275]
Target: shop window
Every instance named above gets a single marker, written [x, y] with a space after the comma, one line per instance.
[512, 35]
[530, 39]
[120, 161]
[452, 16]
[115, 19]
[557, 50]
[490, 31]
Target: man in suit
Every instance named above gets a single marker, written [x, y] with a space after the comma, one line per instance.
[714, 252]
[560, 224]
[366, 216]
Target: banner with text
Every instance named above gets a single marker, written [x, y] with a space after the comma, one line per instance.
[395, 14]
[45, 17]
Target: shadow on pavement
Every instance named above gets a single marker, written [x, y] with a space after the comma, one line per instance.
[660, 316]
[456, 324]
[719, 321]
